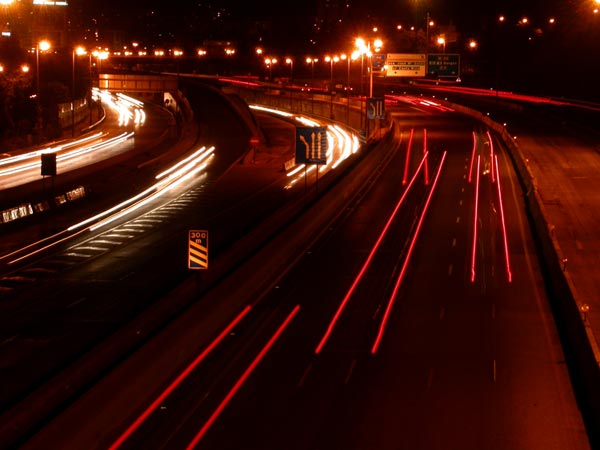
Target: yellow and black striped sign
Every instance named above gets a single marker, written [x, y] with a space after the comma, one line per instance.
[198, 249]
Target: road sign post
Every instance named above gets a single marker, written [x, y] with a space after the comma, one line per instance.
[198, 249]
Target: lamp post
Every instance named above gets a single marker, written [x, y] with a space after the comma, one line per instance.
[365, 49]
[442, 41]
[290, 61]
[269, 62]
[331, 60]
[429, 24]
[100, 55]
[43, 46]
[312, 62]
[345, 57]
[79, 51]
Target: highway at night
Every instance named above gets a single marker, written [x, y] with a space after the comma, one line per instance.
[412, 314]
[109, 247]
[317, 225]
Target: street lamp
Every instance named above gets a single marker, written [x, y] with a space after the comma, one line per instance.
[43, 46]
[442, 41]
[79, 51]
[331, 60]
[312, 62]
[367, 49]
[428, 25]
[269, 62]
[290, 61]
[100, 55]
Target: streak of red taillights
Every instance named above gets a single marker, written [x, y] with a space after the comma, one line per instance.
[491, 156]
[472, 156]
[506, 254]
[242, 379]
[406, 261]
[407, 163]
[426, 161]
[473, 258]
[134, 426]
[363, 269]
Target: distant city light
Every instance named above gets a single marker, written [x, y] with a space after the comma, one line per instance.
[50, 3]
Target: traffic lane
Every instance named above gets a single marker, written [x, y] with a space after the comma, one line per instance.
[146, 134]
[81, 289]
[118, 386]
[315, 286]
[195, 398]
[467, 363]
[258, 415]
[111, 181]
[416, 379]
[86, 307]
[107, 183]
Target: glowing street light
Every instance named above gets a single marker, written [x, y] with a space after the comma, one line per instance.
[442, 41]
[368, 48]
[269, 62]
[290, 61]
[100, 56]
[79, 51]
[312, 62]
[42, 46]
[331, 60]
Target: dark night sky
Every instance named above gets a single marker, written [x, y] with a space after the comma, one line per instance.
[457, 11]
[470, 16]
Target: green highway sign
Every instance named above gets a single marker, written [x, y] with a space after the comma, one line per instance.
[443, 64]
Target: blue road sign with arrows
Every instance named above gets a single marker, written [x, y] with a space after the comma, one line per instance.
[376, 108]
[311, 145]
